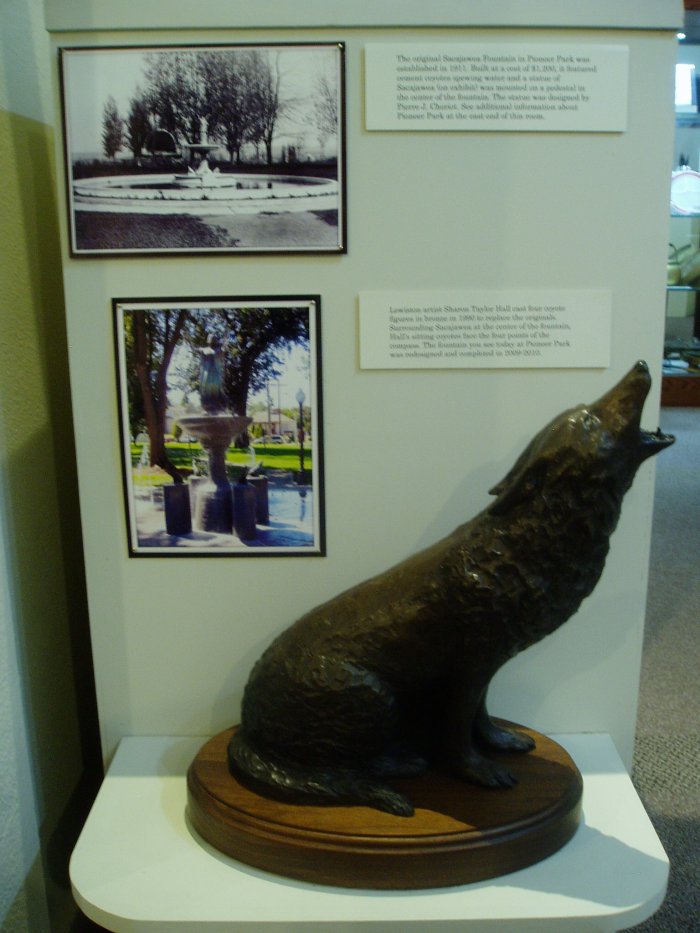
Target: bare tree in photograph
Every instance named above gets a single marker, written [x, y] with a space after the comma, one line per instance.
[112, 129]
[325, 106]
[264, 79]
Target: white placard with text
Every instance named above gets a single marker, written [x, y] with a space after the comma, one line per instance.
[485, 329]
[496, 86]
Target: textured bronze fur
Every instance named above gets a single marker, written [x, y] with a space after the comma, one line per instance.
[393, 673]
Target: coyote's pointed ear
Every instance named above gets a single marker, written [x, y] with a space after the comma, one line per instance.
[514, 471]
[521, 483]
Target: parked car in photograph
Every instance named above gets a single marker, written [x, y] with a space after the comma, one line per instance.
[270, 439]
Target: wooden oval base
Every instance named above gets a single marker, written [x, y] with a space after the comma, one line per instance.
[459, 833]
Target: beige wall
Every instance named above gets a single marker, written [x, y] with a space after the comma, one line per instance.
[40, 589]
[174, 640]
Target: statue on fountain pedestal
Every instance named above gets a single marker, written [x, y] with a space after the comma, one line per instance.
[211, 376]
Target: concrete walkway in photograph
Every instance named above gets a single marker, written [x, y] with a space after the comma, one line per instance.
[289, 527]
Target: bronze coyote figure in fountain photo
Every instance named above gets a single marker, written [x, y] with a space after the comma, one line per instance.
[392, 674]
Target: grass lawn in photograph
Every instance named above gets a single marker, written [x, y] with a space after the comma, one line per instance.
[117, 230]
[273, 457]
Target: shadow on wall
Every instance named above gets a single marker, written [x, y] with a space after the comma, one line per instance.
[42, 529]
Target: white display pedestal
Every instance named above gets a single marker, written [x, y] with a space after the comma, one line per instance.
[137, 866]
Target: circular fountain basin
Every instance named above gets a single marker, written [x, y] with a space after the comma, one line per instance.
[209, 193]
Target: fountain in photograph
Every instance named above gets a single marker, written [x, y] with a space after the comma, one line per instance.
[203, 191]
[198, 153]
[215, 429]
[202, 177]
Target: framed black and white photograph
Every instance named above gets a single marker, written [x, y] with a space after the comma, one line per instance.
[221, 425]
[205, 149]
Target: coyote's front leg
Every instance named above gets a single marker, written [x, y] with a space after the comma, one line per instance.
[489, 735]
[465, 704]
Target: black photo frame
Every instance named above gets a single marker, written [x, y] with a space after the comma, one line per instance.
[195, 149]
[220, 413]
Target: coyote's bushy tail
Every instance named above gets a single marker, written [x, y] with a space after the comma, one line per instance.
[291, 781]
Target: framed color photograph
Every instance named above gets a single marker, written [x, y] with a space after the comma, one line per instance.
[205, 149]
[221, 425]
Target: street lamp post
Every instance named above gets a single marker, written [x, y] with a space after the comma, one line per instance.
[300, 400]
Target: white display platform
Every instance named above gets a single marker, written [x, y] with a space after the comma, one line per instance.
[137, 866]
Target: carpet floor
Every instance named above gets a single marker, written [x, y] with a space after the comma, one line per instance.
[666, 769]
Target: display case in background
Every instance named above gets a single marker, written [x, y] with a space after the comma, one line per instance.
[681, 370]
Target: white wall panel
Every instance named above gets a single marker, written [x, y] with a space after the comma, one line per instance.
[408, 455]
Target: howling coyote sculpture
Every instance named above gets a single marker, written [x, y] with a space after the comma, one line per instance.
[393, 673]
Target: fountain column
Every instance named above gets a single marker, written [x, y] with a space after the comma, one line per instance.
[214, 501]
[215, 428]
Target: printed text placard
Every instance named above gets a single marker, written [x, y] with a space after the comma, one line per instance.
[483, 329]
[496, 86]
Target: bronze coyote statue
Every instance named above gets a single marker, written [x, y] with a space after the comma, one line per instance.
[393, 673]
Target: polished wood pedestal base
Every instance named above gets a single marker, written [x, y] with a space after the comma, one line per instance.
[459, 833]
